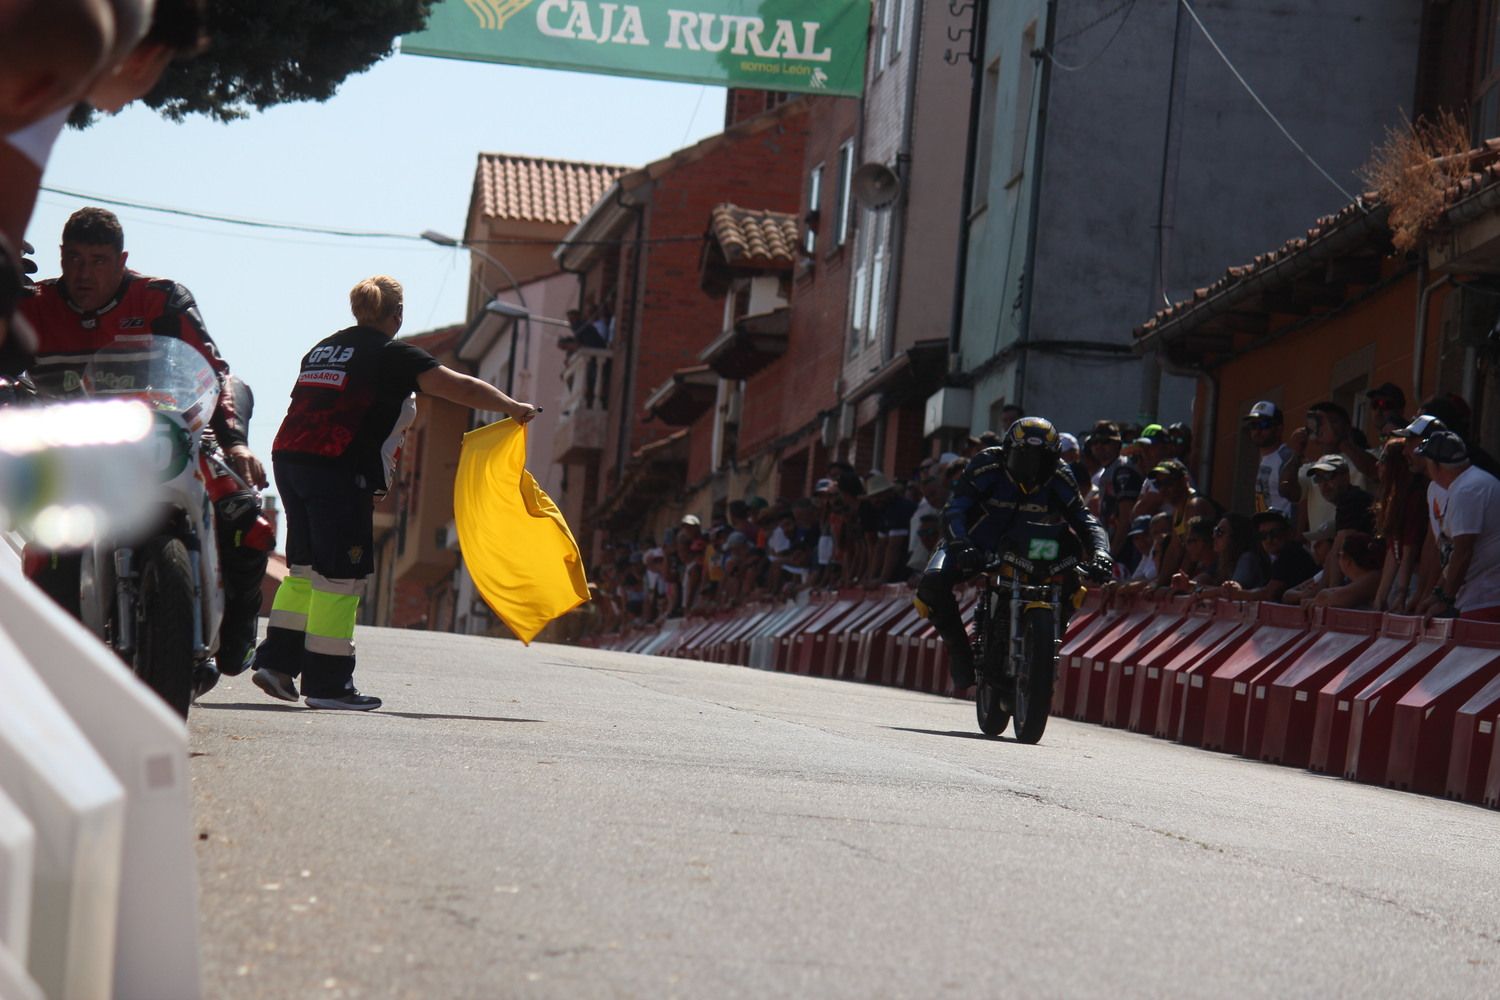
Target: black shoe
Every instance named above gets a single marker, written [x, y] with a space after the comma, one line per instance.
[205, 676]
[235, 659]
[961, 667]
[275, 683]
[350, 701]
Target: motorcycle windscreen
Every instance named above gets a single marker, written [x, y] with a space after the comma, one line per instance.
[163, 372]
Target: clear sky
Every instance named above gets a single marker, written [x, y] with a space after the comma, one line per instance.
[393, 151]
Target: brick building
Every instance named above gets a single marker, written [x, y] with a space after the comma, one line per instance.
[637, 256]
[412, 583]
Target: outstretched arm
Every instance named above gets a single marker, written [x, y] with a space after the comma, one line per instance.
[465, 390]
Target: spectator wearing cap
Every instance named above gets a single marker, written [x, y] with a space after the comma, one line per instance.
[1321, 541]
[1290, 563]
[1465, 505]
[1353, 508]
[1175, 492]
[1179, 438]
[1158, 540]
[1101, 448]
[1265, 426]
[893, 514]
[1327, 432]
[1141, 541]
[1455, 414]
[691, 525]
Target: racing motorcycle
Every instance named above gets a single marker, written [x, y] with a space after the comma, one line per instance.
[156, 596]
[1018, 631]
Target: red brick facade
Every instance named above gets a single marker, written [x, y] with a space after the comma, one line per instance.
[759, 164]
[790, 398]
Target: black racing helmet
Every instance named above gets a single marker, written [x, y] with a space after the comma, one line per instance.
[1032, 451]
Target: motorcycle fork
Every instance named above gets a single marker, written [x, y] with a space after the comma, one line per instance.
[125, 589]
[195, 559]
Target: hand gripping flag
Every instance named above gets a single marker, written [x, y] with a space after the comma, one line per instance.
[517, 546]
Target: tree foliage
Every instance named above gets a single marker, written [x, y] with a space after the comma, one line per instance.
[268, 52]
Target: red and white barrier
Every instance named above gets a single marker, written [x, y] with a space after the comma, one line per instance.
[1385, 699]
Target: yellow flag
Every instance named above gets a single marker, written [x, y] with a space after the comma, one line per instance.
[516, 545]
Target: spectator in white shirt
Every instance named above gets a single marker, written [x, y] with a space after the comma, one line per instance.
[1466, 505]
[1265, 425]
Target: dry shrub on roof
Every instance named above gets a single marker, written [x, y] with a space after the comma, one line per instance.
[1413, 171]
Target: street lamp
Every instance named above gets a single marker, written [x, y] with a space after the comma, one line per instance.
[502, 308]
[522, 314]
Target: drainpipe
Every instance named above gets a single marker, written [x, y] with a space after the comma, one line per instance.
[961, 269]
[903, 167]
[1029, 272]
[627, 386]
[1208, 427]
[1419, 341]
[1166, 204]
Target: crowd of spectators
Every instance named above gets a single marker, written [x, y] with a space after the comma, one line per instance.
[1402, 516]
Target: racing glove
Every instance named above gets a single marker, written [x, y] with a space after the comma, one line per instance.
[1100, 567]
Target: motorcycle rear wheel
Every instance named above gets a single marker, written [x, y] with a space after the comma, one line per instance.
[1035, 677]
[164, 622]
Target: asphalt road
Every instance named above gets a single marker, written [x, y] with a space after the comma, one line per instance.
[558, 822]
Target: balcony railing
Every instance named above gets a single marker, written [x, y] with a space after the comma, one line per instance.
[583, 423]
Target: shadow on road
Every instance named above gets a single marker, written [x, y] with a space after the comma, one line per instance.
[260, 707]
[953, 734]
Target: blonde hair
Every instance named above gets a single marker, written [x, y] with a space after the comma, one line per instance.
[375, 299]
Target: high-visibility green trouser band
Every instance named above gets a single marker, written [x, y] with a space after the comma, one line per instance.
[330, 623]
[289, 606]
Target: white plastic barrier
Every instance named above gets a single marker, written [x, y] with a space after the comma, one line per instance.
[145, 745]
[15, 984]
[48, 768]
[17, 865]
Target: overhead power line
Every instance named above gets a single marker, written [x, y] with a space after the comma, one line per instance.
[1262, 104]
[358, 234]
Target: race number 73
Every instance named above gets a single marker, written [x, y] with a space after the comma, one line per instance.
[1042, 548]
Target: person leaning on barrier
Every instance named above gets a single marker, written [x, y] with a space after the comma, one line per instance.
[1290, 563]
[1465, 502]
[335, 452]
[1002, 491]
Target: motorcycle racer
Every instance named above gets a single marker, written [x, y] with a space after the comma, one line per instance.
[1002, 490]
[96, 300]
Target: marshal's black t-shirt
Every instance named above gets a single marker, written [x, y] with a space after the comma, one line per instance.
[352, 403]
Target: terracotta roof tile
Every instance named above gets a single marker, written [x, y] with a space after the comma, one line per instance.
[530, 189]
[750, 238]
[1484, 173]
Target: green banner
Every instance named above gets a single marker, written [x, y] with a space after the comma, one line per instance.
[809, 46]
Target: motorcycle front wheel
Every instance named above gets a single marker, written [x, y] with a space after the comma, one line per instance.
[164, 630]
[1035, 677]
[993, 717]
[990, 704]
